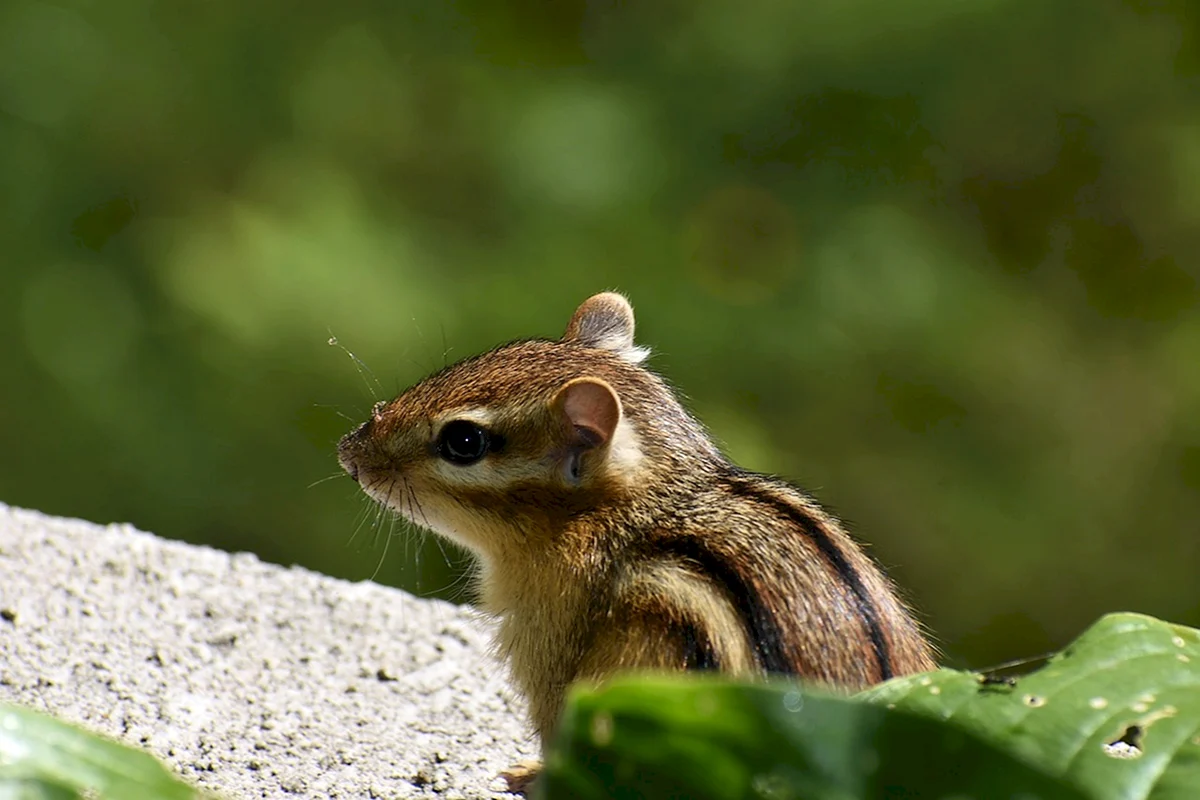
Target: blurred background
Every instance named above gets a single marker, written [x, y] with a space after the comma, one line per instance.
[934, 261]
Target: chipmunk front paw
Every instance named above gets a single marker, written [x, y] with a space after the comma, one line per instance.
[520, 775]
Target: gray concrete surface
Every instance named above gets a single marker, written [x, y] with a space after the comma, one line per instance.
[250, 679]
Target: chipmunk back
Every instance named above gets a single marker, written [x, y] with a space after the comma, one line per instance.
[612, 534]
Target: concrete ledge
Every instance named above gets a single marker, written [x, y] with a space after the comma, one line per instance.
[250, 679]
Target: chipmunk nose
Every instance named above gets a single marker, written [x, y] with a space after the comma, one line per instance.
[350, 447]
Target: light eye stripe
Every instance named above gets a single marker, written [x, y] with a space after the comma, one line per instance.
[480, 415]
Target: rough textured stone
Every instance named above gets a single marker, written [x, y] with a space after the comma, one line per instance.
[247, 678]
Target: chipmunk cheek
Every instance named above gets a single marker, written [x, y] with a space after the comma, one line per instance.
[625, 451]
[620, 457]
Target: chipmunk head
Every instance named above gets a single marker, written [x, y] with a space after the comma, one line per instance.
[511, 444]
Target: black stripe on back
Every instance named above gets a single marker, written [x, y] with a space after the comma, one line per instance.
[836, 558]
[765, 635]
[698, 652]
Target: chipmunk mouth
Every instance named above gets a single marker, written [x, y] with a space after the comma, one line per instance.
[389, 489]
[368, 467]
[380, 479]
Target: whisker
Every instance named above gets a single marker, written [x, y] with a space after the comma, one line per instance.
[333, 476]
[456, 589]
[445, 557]
[409, 527]
[378, 522]
[376, 388]
[337, 411]
[417, 325]
[412, 496]
[422, 535]
[445, 347]
[409, 514]
[363, 514]
[464, 578]
[387, 541]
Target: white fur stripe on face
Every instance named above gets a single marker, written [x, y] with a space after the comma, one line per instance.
[498, 472]
[481, 415]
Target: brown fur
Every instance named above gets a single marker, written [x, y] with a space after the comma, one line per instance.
[654, 562]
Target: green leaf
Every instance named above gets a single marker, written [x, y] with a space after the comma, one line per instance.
[35, 789]
[43, 758]
[1116, 713]
[697, 737]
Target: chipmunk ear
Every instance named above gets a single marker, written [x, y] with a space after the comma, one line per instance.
[605, 321]
[592, 408]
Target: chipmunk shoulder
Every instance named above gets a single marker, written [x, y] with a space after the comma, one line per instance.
[612, 533]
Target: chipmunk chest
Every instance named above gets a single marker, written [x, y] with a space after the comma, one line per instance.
[543, 650]
[545, 622]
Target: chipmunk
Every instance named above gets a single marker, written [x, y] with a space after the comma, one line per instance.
[612, 534]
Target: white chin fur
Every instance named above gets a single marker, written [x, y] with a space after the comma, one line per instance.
[426, 514]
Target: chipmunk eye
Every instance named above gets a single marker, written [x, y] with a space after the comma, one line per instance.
[462, 442]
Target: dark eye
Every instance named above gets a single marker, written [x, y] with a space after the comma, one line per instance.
[463, 442]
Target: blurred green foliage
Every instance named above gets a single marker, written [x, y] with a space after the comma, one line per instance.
[935, 261]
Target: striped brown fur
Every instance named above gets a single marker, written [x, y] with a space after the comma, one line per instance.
[612, 534]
